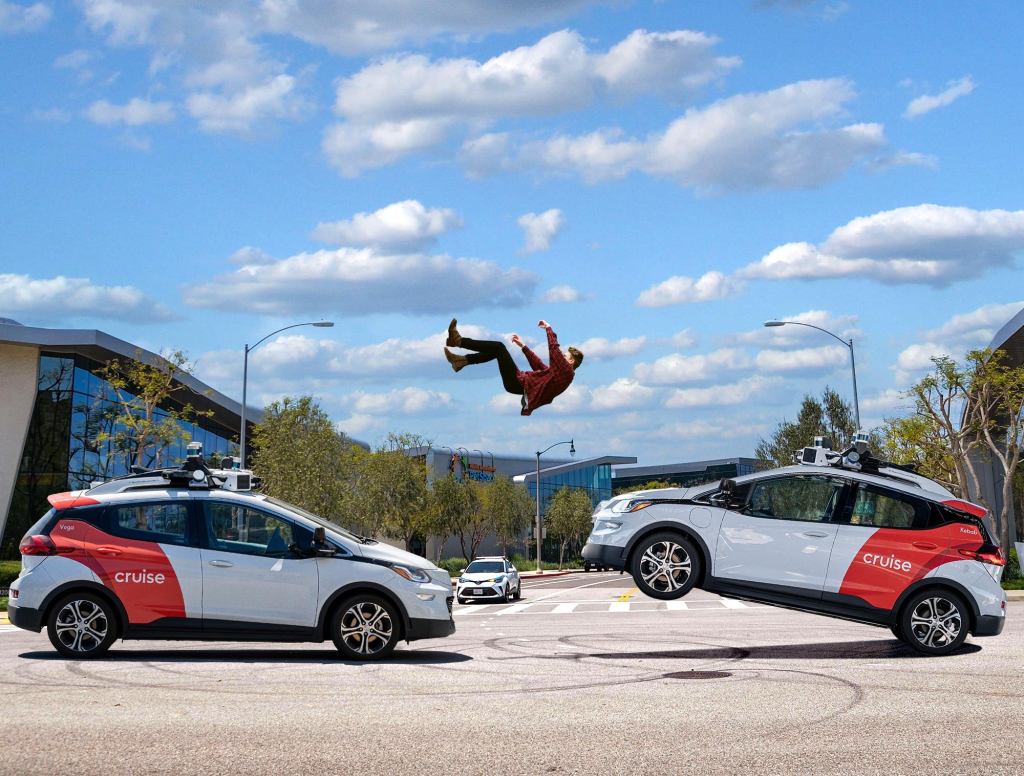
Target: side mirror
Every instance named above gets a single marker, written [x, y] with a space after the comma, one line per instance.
[325, 552]
[462, 571]
[319, 535]
[726, 495]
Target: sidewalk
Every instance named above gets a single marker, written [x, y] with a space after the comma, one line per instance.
[1014, 595]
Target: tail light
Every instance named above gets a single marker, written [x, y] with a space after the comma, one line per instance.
[987, 553]
[37, 545]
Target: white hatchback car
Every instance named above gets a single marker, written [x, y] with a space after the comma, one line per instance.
[489, 578]
[194, 554]
[841, 534]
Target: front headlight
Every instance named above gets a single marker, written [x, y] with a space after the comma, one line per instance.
[631, 505]
[413, 575]
[499, 579]
[461, 580]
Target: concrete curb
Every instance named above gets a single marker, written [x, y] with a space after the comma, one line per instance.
[1014, 595]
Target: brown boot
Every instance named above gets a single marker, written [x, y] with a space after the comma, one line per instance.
[454, 338]
[457, 362]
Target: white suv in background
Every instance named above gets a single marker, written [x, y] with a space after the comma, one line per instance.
[841, 534]
[489, 578]
[193, 554]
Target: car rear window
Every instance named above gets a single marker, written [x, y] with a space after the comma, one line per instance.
[880, 508]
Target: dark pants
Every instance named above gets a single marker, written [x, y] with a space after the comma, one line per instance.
[487, 350]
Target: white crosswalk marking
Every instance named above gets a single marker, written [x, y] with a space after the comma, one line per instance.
[9, 629]
[515, 608]
[568, 607]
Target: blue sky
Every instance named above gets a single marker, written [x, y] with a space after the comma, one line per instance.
[656, 179]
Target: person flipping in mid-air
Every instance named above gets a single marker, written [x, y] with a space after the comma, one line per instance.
[537, 387]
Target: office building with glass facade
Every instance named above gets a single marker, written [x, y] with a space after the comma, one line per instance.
[59, 426]
[681, 475]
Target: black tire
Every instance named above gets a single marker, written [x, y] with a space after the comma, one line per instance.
[462, 601]
[82, 625]
[676, 578]
[897, 632]
[519, 591]
[508, 595]
[365, 627]
[586, 566]
[935, 622]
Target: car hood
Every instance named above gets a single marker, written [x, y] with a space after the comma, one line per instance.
[382, 551]
[481, 576]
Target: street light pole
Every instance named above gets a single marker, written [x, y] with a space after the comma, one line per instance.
[245, 375]
[539, 527]
[847, 343]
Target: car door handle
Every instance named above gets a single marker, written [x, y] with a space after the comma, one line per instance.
[222, 564]
[814, 534]
[926, 545]
[108, 551]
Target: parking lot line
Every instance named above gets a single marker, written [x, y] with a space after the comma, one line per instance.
[618, 606]
[564, 608]
[676, 606]
[732, 603]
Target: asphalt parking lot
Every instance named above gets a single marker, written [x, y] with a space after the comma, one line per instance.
[583, 675]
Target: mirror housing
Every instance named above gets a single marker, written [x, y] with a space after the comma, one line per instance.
[725, 497]
[462, 571]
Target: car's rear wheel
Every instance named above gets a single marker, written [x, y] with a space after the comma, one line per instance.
[508, 594]
[82, 625]
[666, 565]
[365, 627]
[934, 622]
[519, 591]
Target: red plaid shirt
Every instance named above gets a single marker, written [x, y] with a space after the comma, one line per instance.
[545, 382]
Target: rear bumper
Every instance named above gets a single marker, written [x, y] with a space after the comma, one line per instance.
[429, 629]
[605, 555]
[29, 619]
[988, 625]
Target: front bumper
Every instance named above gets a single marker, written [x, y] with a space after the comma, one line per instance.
[467, 591]
[27, 618]
[429, 629]
[988, 625]
[605, 554]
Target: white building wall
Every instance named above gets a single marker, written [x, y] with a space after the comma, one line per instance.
[19, 367]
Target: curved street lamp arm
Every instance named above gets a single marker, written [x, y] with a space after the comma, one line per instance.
[812, 326]
[307, 323]
[556, 444]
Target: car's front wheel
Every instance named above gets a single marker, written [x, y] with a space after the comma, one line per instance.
[666, 565]
[934, 622]
[82, 625]
[365, 627]
[519, 591]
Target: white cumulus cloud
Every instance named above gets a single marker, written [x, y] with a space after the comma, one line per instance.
[748, 390]
[400, 401]
[61, 298]
[15, 18]
[364, 281]
[562, 295]
[135, 113]
[602, 349]
[539, 229]
[929, 102]
[403, 225]
[682, 290]
[803, 359]
[240, 110]
[675, 369]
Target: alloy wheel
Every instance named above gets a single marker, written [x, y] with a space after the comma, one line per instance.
[366, 628]
[81, 626]
[936, 622]
[665, 566]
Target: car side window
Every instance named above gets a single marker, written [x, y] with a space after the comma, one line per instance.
[247, 531]
[880, 508]
[807, 498]
[165, 522]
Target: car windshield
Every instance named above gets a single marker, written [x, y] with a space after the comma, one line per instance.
[485, 567]
[318, 520]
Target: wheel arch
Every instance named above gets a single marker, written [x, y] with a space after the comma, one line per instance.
[89, 587]
[669, 525]
[339, 595]
[938, 583]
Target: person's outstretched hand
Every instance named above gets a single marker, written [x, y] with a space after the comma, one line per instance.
[516, 340]
[543, 324]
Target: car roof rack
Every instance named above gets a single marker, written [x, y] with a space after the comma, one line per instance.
[193, 473]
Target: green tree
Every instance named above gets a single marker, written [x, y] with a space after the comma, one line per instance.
[568, 518]
[509, 509]
[451, 506]
[391, 492]
[139, 388]
[301, 457]
[830, 417]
